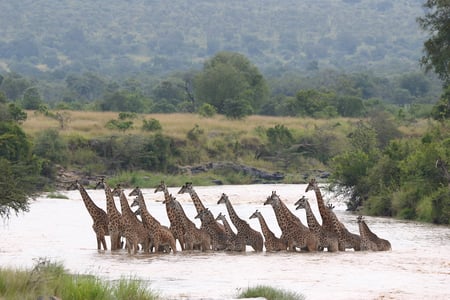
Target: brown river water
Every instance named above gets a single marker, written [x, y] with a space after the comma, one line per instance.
[418, 267]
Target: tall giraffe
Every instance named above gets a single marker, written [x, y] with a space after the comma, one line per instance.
[176, 224]
[194, 238]
[272, 243]
[252, 237]
[135, 232]
[116, 224]
[234, 241]
[217, 234]
[327, 222]
[295, 236]
[327, 239]
[188, 188]
[330, 221]
[98, 215]
[369, 240]
[159, 235]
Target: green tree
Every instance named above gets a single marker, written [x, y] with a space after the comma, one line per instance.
[437, 48]
[232, 76]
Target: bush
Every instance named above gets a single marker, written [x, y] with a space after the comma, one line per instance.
[151, 125]
[270, 293]
[207, 110]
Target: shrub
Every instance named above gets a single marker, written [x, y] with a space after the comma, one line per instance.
[151, 125]
[207, 110]
[270, 293]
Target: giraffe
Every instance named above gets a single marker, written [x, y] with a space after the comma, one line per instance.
[234, 241]
[252, 237]
[295, 236]
[330, 222]
[193, 237]
[272, 243]
[369, 240]
[327, 239]
[98, 215]
[327, 222]
[176, 224]
[159, 235]
[135, 233]
[116, 223]
[199, 207]
[218, 237]
[346, 238]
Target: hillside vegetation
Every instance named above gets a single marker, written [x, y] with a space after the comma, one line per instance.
[125, 37]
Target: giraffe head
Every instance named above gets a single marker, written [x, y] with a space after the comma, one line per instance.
[137, 212]
[135, 202]
[73, 185]
[273, 199]
[161, 187]
[170, 200]
[221, 217]
[255, 215]
[223, 199]
[205, 216]
[185, 188]
[117, 190]
[301, 203]
[330, 206]
[311, 185]
[135, 192]
[360, 219]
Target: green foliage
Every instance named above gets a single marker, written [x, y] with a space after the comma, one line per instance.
[14, 144]
[237, 108]
[49, 278]
[437, 48]
[441, 111]
[207, 110]
[119, 125]
[124, 101]
[279, 136]
[269, 293]
[230, 82]
[51, 146]
[151, 125]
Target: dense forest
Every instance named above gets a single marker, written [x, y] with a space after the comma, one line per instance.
[375, 123]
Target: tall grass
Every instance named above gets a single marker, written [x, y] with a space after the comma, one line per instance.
[270, 293]
[51, 279]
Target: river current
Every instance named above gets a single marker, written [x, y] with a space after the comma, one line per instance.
[418, 266]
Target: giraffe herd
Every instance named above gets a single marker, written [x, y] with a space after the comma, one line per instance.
[146, 234]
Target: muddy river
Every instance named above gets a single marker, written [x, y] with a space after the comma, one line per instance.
[418, 267]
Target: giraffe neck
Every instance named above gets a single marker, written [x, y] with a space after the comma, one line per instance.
[324, 212]
[166, 194]
[111, 208]
[126, 210]
[238, 222]
[91, 207]
[196, 200]
[281, 217]
[367, 232]
[228, 231]
[264, 228]
[180, 213]
[146, 217]
[313, 224]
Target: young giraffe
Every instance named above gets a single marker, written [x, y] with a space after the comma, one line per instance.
[369, 240]
[98, 215]
[159, 235]
[218, 236]
[135, 231]
[330, 222]
[176, 224]
[252, 237]
[272, 243]
[199, 207]
[116, 224]
[295, 236]
[345, 237]
[327, 239]
[194, 238]
[234, 241]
